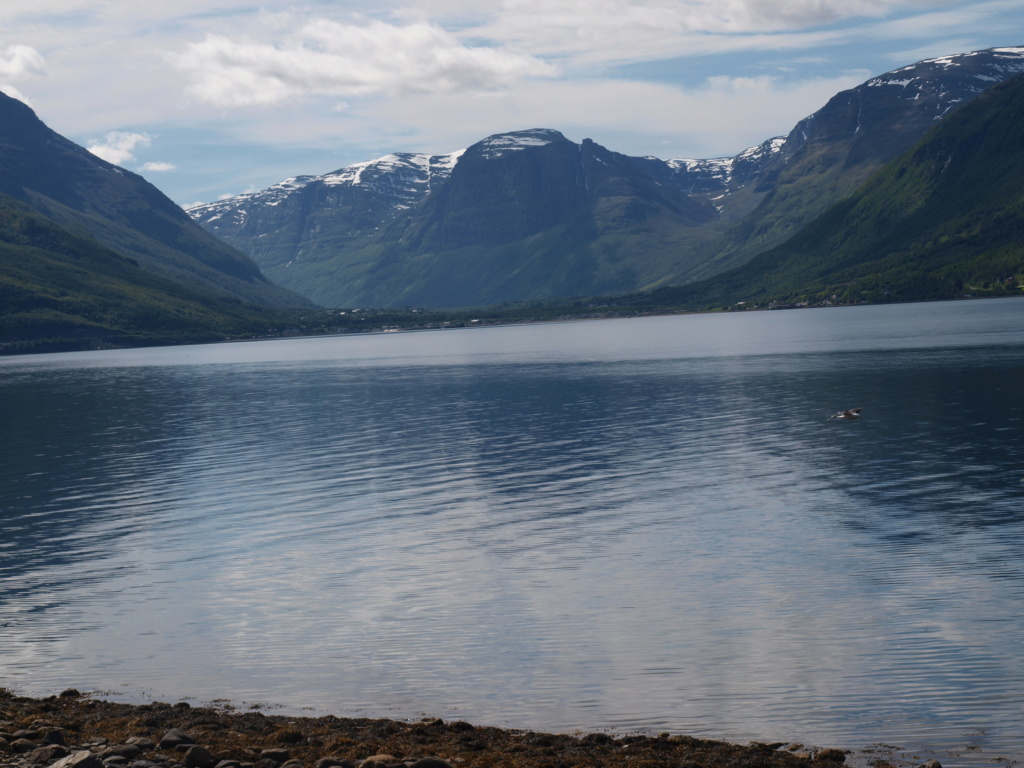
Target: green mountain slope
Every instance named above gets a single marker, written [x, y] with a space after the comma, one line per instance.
[87, 195]
[830, 154]
[944, 219]
[61, 291]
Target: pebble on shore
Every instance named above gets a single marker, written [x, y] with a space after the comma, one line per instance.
[75, 731]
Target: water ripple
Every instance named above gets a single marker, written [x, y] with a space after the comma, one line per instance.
[664, 543]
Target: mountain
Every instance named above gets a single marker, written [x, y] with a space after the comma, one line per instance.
[61, 291]
[828, 155]
[530, 214]
[90, 197]
[944, 219]
[335, 211]
[518, 214]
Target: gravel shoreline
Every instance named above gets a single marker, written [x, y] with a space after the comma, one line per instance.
[73, 730]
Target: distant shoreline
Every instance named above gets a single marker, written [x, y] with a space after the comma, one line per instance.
[484, 321]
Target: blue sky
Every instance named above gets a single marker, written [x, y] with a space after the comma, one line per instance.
[208, 98]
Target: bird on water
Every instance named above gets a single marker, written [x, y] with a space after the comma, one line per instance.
[852, 413]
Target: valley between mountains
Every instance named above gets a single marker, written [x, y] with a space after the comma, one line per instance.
[530, 215]
[904, 188]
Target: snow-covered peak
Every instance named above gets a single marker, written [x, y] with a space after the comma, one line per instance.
[514, 141]
[723, 170]
[988, 66]
[764, 150]
[413, 167]
[401, 177]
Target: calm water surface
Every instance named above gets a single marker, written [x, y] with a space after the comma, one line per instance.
[633, 524]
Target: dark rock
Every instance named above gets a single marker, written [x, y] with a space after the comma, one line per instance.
[54, 736]
[277, 756]
[80, 759]
[228, 764]
[145, 764]
[70, 693]
[830, 755]
[431, 762]
[932, 764]
[174, 738]
[288, 737]
[21, 746]
[127, 751]
[25, 733]
[334, 762]
[199, 757]
[48, 754]
[293, 763]
[183, 705]
[597, 738]
[115, 760]
[461, 725]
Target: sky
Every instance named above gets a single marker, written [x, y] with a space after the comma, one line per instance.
[211, 98]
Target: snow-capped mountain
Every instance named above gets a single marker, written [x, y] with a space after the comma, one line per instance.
[718, 176]
[499, 144]
[364, 196]
[529, 213]
[972, 73]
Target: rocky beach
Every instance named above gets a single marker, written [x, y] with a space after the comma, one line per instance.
[72, 730]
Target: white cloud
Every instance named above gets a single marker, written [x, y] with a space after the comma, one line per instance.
[722, 118]
[787, 14]
[326, 57]
[19, 61]
[592, 31]
[158, 167]
[117, 146]
[433, 75]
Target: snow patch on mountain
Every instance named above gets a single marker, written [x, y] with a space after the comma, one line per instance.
[516, 141]
[402, 177]
[1003, 63]
[725, 172]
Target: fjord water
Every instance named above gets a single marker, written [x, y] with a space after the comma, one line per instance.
[625, 524]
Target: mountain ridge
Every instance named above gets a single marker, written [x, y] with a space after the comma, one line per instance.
[943, 220]
[396, 244]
